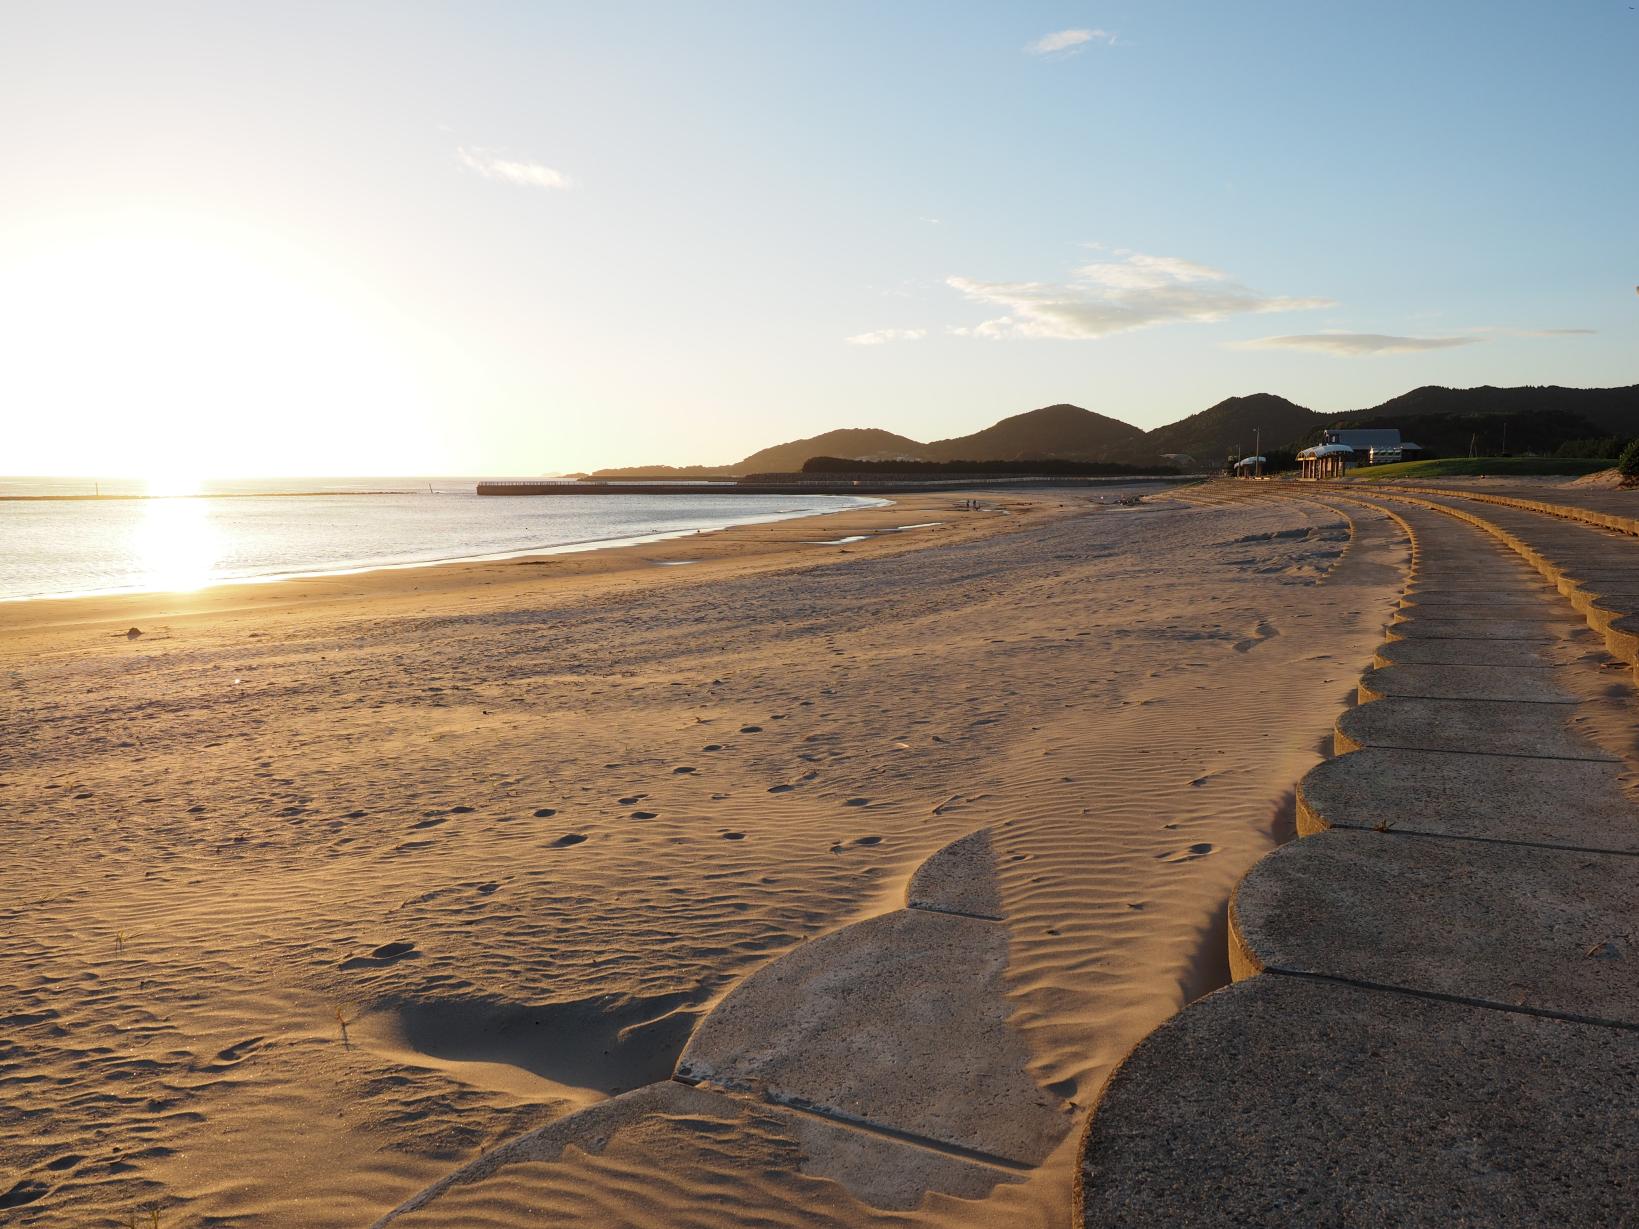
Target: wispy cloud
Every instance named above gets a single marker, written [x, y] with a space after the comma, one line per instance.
[883, 336]
[1069, 42]
[1544, 332]
[1354, 345]
[1132, 291]
[493, 165]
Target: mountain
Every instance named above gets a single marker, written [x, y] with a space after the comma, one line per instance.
[1055, 432]
[855, 443]
[1445, 421]
[1234, 425]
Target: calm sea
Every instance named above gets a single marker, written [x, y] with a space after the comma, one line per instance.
[254, 530]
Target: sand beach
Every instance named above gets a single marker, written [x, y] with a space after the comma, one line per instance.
[324, 888]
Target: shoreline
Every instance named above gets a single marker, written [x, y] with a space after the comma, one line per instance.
[761, 540]
[562, 548]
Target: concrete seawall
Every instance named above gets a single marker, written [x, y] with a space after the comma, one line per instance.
[1435, 1013]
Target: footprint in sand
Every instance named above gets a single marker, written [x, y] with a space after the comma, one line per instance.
[781, 789]
[751, 729]
[355, 815]
[568, 839]
[387, 953]
[630, 800]
[857, 802]
[25, 1191]
[462, 810]
[733, 836]
[545, 813]
[429, 823]
[1187, 854]
[712, 747]
[237, 1051]
[643, 814]
[1262, 632]
[684, 770]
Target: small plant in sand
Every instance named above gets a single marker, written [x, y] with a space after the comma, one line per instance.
[119, 942]
[342, 1022]
[149, 1221]
[1628, 464]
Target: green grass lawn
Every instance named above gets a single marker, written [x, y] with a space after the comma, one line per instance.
[1476, 467]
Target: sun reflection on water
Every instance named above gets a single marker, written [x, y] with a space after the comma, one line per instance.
[176, 540]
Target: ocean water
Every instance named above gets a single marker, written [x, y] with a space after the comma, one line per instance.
[263, 529]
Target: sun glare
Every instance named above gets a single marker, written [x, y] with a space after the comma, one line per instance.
[177, 543]
[180, 347]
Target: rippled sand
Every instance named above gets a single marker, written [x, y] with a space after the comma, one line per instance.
[317, 890]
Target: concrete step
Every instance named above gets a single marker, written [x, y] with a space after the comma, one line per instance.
[1465, 725]
[1286, 1101]
[1519, 654]
[1578, 804]
[1431, 626]
[1461, 682]
[1509, 925]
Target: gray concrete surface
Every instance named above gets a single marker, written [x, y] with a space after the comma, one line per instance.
[1506, 653]
[1462, 682]
[1513, 925]
[1477, 628]
[960, 878]
[855, 1025]
[1287, 1101]
[1574, 803]
[1464, 725]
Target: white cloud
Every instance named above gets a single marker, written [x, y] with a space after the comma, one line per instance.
[1355, 344]
[1132, 291]
[1069, 42]
[492, 165]
[883, 336]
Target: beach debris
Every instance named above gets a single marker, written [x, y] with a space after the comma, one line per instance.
[133, 633]
[940, 809]
[1605, 950]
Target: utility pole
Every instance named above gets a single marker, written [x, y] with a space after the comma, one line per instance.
[1257, 451]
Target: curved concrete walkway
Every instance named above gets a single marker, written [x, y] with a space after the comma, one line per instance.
[1435, 1018]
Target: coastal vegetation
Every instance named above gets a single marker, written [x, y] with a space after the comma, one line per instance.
[1482, 467]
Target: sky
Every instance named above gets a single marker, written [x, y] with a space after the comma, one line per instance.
[243, 239]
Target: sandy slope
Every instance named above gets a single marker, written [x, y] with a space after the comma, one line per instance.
[520, 825]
